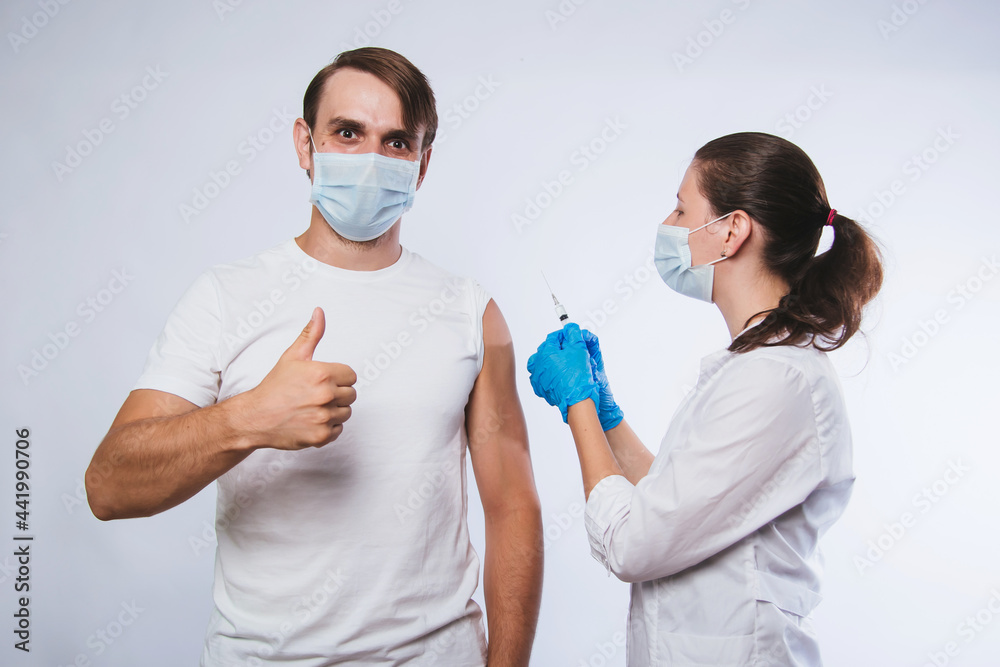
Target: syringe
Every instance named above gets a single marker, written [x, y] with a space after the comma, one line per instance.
[560, 311]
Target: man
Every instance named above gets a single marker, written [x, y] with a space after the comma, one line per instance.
[356, 551]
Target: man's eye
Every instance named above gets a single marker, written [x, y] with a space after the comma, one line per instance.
[398, 144]
[347, 134]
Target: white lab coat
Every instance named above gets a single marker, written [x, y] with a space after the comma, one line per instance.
[720, 539]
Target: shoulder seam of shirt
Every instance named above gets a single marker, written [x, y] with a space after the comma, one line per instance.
[218, 305]
[808, 378]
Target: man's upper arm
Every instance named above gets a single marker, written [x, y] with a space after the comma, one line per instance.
[498, 438]
[148, 403]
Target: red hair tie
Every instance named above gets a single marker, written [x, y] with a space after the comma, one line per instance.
[829, 218]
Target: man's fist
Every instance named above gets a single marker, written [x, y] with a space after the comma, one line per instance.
[302, 403]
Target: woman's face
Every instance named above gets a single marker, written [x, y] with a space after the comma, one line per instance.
[693, 211]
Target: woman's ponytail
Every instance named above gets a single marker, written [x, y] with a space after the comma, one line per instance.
[776, 183]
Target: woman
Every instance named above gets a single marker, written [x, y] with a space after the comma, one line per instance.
[718, 531]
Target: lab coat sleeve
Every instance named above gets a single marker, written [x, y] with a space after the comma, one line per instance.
[751, 454]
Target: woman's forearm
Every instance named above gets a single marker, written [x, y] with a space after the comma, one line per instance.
[629, 452]
[596, 459]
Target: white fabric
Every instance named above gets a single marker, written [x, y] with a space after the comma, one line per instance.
[720, 538]
[358, 551]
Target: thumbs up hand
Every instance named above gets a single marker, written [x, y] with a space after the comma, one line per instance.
[302, 403]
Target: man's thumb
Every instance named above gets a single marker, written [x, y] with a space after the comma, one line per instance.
[305, 345]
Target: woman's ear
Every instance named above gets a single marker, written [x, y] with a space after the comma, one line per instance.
[740, 228]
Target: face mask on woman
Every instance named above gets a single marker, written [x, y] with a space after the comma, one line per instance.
[672, 256]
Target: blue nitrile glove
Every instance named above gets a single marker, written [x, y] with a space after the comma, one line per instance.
[608, 411]
[560, 370]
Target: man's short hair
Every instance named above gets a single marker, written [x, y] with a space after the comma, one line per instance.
[397, 72]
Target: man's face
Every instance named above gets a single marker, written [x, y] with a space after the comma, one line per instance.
[359, 113]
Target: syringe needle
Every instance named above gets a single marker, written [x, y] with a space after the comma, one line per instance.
[547, 283]
[554, 299]
[560, 311]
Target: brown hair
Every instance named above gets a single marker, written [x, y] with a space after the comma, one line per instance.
[774, 182]
[397, 72]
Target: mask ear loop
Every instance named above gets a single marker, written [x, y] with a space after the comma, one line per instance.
[706, 225]
[315, 151]
[711, 222]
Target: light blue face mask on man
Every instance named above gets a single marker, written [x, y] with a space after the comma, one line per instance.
[672, 256]
[361, 195]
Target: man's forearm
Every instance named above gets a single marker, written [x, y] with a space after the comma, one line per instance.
[148, 466]
[513, 584]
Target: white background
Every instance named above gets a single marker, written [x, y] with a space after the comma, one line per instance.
[881, 94]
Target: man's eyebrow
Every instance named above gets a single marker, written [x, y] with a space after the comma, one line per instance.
[341, 123]
[405, 135]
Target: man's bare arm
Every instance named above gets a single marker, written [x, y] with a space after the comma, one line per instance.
[498, 444]
[162, 449]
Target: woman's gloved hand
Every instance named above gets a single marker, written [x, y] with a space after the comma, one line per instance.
[561, 370]
[607, 410]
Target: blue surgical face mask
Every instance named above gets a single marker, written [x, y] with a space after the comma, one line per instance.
[361, 195]
[672, 256]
